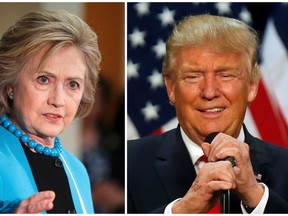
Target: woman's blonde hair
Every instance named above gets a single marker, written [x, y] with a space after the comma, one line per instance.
[221, 34]
[53, 29]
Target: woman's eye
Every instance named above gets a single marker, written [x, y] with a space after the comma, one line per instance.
[73, 85]
[43, 79]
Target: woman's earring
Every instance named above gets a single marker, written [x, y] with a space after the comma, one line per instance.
[11, 95]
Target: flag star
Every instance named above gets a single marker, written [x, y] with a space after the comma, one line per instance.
[167, 17]
[245, 16]
[223, 8]
[137, 38]
[159, 48]
[142, 8]
[132, 70]
[150, 111]
[155, 79]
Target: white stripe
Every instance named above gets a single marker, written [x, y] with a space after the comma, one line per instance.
[131, 131]
[170, 125]
[275, 68]
[77, 190]
[250, 124]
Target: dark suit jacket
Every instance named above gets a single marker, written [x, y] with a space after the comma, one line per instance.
[160, 170]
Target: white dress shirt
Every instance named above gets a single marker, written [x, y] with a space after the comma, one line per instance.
[195, 152]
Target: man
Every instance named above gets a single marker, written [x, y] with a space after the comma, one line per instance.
[211, 76]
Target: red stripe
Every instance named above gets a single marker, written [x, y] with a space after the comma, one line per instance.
[269, 119]
[158, 131]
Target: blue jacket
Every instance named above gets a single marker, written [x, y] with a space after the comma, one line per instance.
[17, 182]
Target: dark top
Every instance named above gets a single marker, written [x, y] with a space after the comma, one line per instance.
[49, 174]
[160, 170]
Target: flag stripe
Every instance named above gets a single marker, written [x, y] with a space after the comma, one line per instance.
[149, 24]
[269, 120]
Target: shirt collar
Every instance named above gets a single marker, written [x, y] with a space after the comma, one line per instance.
[195, 151]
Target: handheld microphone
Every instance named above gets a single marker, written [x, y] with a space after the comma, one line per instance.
[225, 194]
[210, 138]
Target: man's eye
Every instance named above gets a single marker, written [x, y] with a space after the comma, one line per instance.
[226, 76]
[193, 78]
[43, 79]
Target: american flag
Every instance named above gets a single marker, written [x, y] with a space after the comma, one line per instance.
[149, 25]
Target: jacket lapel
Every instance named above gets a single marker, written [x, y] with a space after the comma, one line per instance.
[259, 160]
[176, 170]
[174, 166]
[258, 155]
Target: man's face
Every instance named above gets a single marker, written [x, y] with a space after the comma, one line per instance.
[211, 92]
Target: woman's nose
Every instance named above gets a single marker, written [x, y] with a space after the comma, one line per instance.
[57, 96]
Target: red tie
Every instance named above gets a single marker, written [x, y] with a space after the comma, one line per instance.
[203, 158]
[217, 208]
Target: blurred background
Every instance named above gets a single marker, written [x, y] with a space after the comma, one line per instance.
[99, 139]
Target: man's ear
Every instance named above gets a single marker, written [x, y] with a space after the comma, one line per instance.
[170, 89]
[253, 91]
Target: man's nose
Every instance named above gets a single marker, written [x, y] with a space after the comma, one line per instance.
[209, 87]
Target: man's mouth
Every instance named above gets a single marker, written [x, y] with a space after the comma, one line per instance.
[213, 110]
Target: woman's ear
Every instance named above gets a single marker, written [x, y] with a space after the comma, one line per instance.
[10, 92]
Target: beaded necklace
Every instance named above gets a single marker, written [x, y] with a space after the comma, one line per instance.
[32, 144]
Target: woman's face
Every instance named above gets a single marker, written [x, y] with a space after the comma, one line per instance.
[46, 101]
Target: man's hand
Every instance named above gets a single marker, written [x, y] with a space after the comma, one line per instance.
[203, 194]
[42, 201]
[247, 188]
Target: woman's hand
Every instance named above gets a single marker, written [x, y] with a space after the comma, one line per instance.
[42, 201]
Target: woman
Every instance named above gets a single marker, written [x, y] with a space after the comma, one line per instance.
[49, 65]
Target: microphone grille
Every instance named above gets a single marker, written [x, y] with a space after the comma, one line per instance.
[210, 137]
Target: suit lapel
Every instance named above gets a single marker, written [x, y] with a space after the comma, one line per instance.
[258, 155]
[259, 160]
[174, 166]
[177, 173]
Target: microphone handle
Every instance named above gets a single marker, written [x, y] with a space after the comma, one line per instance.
[225, 201]
[225, 194]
